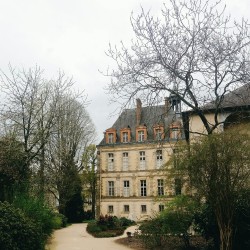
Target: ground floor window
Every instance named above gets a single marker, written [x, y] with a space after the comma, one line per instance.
[110, 209]
[161, 208]
[126, 208]
[143, 208]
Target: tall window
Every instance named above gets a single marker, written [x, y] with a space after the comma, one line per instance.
[141, 135]
[158, 158]
[110, 162]
[143, 188]
[176, 158]
[110, 138]
[125, 161]
[142, 160]
[177, 184]
[160, 186]
[158, 134]
[126, 192]
[110, 209]
[125, 137]
[111, 188]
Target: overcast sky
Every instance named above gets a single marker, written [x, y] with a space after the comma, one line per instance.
[73, 35]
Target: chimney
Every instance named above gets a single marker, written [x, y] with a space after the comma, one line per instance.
[138, 111]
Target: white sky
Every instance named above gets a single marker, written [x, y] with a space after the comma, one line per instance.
[73, 35]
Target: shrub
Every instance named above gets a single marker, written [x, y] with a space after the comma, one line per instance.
[108, 226]
[38, 211]
[92, 227]
[17, 231]
[59, 221]
[111, 222]
[126, 222]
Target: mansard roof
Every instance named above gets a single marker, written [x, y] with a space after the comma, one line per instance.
[150, 116]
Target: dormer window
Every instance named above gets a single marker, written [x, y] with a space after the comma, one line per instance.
[159, 132]
[141, 135]
[110, 138]
[125, 135]
[175, 131]
[110, 135]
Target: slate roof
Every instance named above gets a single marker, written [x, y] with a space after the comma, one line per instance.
[150, 116]
[237, 98]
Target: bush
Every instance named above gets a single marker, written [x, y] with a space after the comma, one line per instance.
[17, 231]
[92, 227]
[126, 222]
[59, 221]
[39, 212]
[111, 222]
[108, 226]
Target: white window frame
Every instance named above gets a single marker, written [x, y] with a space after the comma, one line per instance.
[141, 135]
[160, 187]
[175, 133]
[142, 159]
[126, 188]
[111, 188]
[125, 161]
[143, 188]
[110, 161]
[158, 134]
[159, 158]
[124, 136]
[110, 137]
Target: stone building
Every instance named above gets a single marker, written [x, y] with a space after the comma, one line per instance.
[132, 156]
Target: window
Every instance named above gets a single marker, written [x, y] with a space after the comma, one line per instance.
[110, 209]
[125, 137]
[160, 186]
[158, 134]
[110, 162]
[111, 188]
[126, 208]
[175, 158]
[126, 192]
[141, 135]
[125, 161]
[143, 188]
[161, 208]
[142, 160]
[177, 185]
[158, 158]
[175, 133]
[110, 138]
[143, 208]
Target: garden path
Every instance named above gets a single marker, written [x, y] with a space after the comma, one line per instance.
[75, 237]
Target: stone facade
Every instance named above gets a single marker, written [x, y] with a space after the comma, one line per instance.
[132, 159]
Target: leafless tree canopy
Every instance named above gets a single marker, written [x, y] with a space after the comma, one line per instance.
[194, 50]
[49, 118]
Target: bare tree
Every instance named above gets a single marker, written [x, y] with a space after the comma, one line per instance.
[73, 130]
[194, 51]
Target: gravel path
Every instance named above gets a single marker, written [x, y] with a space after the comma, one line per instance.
[75, 237]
